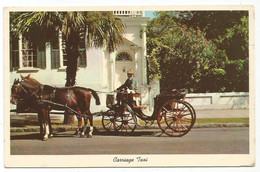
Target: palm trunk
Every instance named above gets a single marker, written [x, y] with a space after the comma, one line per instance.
[72, 58]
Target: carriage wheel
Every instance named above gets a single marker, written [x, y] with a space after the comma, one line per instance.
[193, 112]
[175, 118]
[110, 124]
[126, 121]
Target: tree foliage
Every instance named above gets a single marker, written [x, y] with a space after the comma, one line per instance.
[201, 51]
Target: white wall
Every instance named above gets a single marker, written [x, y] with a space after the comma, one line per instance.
[232, 100]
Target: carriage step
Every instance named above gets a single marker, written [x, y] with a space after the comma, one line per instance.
[140, 107]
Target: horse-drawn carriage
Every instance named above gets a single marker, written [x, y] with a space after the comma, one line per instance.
[174, 116]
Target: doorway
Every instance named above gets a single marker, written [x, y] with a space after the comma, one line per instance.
[124, 62]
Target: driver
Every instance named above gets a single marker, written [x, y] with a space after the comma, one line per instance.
[130, 86]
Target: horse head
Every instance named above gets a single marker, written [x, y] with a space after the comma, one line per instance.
[23, 90]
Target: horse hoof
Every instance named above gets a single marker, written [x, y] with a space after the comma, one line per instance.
[89, 136]
[51, 136]
[81, 136]
[45, 139]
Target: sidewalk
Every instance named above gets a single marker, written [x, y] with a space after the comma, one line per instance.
[222, 113]
[200, 114]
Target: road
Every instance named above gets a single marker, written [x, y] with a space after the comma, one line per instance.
[198, 141]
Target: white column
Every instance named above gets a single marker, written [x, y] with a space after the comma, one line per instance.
[143, 57]
[60, 50]
[137, 65]
[48, 56]
[137, 70]
[104, 70]
[20, 46]
[113, 69]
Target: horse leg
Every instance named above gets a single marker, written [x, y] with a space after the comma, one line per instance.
[90, 118]
[45, 121]
[40, 120]
[50, 127]
[79, 124]
[84, 128]
[90, 127]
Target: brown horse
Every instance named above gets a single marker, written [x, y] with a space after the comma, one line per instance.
[79, 117]
[45, 98]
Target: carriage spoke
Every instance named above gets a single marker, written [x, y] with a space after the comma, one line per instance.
[178, 127]
[130, 127]
[171, 107]
[183, 126]
[108, 123]
[188, 120]
[173, 128]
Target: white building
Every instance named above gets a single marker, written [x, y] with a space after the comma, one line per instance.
[97, 69]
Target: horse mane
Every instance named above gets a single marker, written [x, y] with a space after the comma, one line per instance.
[30, 85]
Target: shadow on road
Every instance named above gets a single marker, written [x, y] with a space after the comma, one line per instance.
[36, 136]
[136, 133]
[26, 136]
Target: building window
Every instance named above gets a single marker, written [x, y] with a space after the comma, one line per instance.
[55, 56]
[29, 54]
[82, 60]
[24, 55]
[123, 56]
[14, 54]
[41, 59]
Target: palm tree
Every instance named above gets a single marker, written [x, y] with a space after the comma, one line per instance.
[101, 28]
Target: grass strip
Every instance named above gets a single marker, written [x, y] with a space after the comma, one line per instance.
[33, 121]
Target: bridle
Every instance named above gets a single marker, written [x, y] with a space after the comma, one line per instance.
[15, 95]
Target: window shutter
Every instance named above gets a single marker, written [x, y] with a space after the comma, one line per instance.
[41, 59]
[55, 58]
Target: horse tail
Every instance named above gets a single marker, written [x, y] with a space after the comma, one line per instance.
[95, 95]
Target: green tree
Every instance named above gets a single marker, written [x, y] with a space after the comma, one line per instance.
[230, 32]
[183, 57]
[102, 29]
[221, 52]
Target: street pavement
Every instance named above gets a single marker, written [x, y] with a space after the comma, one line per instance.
[197, 141]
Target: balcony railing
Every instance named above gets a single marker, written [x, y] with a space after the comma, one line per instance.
[129, 13]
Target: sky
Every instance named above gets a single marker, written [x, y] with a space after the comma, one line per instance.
[150, 14]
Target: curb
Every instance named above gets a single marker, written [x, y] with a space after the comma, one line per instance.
[73, 128]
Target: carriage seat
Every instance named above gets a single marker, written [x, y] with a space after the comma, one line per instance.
[140, 107]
